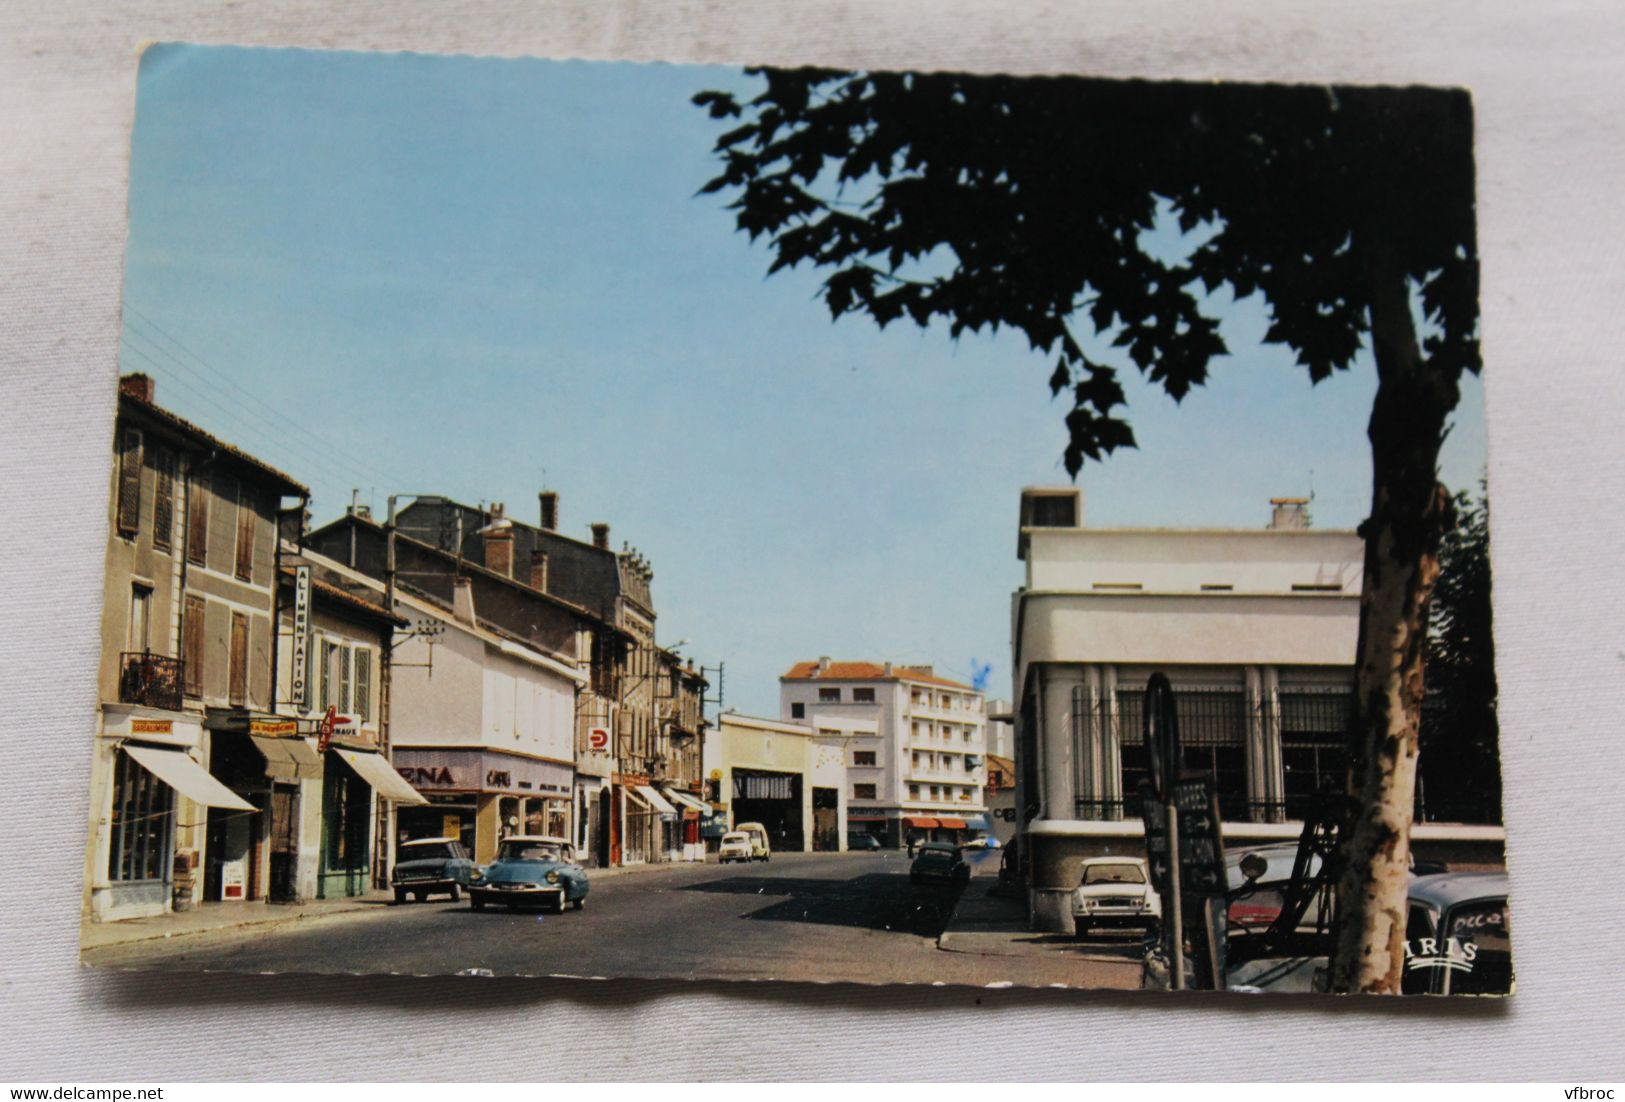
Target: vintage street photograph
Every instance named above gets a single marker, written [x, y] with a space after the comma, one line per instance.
[631, 520]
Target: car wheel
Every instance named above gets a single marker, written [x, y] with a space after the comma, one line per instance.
[476, 904]
[400, 895]
[580, 903]
[456, 892]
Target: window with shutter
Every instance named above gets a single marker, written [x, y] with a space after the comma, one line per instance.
[163, 499]
[346, 682]
[363, 684]
[239, 660]
[129, 482]
[246, 527]
[192, 646]
[326, 652]
[197, 520]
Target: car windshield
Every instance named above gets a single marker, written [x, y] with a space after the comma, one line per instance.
[425, 851]
[529, 851]
[735, 840]
[1116, 873]
[1484, 926]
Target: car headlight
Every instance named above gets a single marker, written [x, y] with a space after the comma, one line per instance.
[476, 874]
[553, 877]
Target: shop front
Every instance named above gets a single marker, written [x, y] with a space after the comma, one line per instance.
[481, 796]
[772, 799]
[153, 798]
[691, 811]
[354, 778]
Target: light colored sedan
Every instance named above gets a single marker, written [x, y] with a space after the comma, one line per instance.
[1115, 893]
[736, 846]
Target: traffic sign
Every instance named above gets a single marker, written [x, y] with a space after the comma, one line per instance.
[1159, 721]
[1201, 846]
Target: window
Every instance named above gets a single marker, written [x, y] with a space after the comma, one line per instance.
[1213, 737]
[970, 764]
[1313, 726]
[326, 699]
[863, 696]
[246, 526]
[192, 645]
[863, 792]
[140, 618]
[197, 520]
[239, 660]
[913, 791]
[346, 679]
[363, 684]
[798, 710]
[142, 825]
[829, 696]
[863, 757]
[914, 759]
[936, 791]
[163, 499]
[129, 482]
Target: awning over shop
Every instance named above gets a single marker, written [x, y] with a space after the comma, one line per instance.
[288, 759]
[381, 775]
[656, 800]
[977, 822]
[952, 824]
[865, 818]
[187, 777]
[919, 823]
[690, 803]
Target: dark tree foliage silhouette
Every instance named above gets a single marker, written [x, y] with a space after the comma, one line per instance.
[1460, 737]
[993, 202]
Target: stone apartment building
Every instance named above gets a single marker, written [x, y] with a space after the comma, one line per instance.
[178, 813]
[914, 745]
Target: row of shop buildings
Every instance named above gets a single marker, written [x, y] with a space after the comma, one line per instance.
[279, 707]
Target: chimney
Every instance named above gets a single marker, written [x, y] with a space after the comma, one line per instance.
[138, 386]
[823, 663]
[1289, 513]
[462, 600]
[498, 542]
[550, 510]
[600, 536]
[887, 669]
[538, 570]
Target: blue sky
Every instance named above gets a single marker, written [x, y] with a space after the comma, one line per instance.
[482, 277]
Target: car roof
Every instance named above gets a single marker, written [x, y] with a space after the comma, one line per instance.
[938, 845]
[422, 841]
[1446, 889]
[553, 838]
[1108, 859]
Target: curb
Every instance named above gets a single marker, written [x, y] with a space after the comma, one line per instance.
[134, 936]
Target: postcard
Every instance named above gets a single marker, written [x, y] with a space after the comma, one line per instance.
[627, 520]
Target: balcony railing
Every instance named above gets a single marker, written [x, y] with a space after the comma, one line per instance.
[151, 679]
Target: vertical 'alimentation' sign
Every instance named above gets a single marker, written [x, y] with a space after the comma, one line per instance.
[301, 632]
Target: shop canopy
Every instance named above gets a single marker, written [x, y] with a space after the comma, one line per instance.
[951, 824]
[919, 823]
[381, 775]
[656, 800]
[187, 777]
[689, 802]
[288, 759]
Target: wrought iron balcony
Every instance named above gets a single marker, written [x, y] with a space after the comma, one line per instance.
[151, 679]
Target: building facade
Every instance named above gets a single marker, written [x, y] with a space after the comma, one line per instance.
[1256, 630]
[783, 776]
[913, 744]
[177, 810]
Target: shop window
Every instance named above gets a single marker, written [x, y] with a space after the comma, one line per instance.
[192, 645]
[829, 696]
[129, 482]
[163, 499]
[141, 829]
[863, 696]
[863, 792]
[863, 757]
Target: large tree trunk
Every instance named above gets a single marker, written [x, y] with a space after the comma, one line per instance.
[1410, 511]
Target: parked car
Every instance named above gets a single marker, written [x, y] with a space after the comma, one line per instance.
[431, 866]
[863, 842]
[1114, 893]
[759, 848]
[981, 841]
[939, 864]
[736, 846]
[533, 870]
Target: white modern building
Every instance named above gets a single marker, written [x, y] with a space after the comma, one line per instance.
[778, 774]
[1256, 630]
[914, 745]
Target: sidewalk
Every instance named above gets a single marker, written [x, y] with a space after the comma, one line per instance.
[996, 926]
[207, 917]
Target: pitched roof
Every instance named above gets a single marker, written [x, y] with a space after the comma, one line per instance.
[285, 483]
[868, 671]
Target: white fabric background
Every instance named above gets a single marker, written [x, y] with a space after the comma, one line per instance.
[1549, 85]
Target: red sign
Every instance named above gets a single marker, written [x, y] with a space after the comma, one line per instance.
[598, 738]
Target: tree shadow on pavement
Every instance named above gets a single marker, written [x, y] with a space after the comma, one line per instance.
[875, 901]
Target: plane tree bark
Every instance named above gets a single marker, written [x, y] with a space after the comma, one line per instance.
[1041, 205]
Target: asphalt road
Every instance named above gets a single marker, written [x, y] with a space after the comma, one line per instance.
[850, 917]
